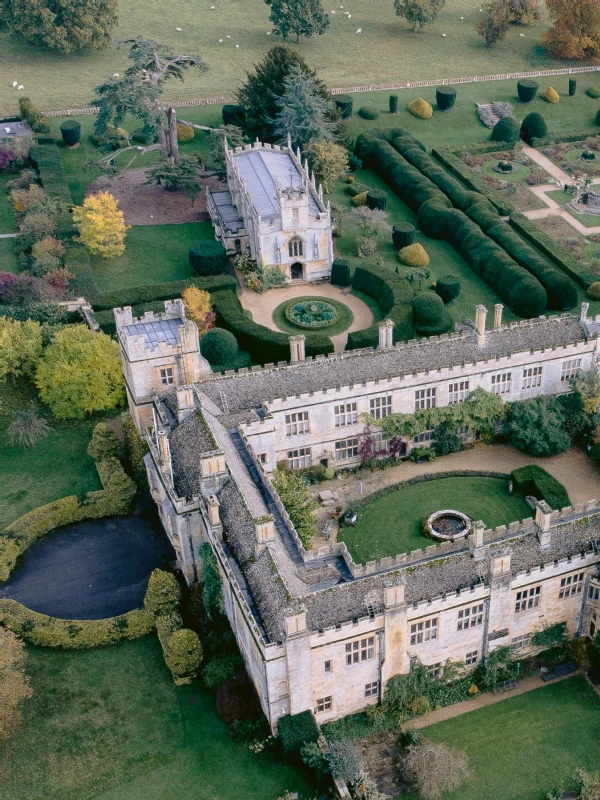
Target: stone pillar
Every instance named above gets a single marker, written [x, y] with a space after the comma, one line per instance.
[386, 334]
[584, 312]
[297, 352]
[123, 316]
[476, 539]
[480, 315]
[543, 513]
[498, 308]
[185, 402]
[213, 506]
[299, 669]
[264, 530]
[164, 454]
[395, 659]
[500, 603]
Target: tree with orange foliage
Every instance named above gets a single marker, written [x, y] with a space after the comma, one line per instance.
[198, 308]
[576, 29]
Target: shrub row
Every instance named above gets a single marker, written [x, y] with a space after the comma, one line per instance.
[574, 136]
[552, 249]
[474, 182]
[115, 498]
[535, 481]
[263, 344]
[162, 291]
[77, 262]
[73, 634]
[560, 289]
[520, 290]
[394, 296]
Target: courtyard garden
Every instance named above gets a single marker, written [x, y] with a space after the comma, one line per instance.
[390, 525]
[110, 723]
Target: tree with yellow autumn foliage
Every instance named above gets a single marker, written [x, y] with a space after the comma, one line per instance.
[101, 225]
[576, 30]
[198, 308]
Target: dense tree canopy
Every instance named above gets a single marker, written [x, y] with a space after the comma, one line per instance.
[302, 110]
[101, 225]
[298, 17]
[20, 347]
[64, 25]
[576, 29]
[537, 427]
[419, 12]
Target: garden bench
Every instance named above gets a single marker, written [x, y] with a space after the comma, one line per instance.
[504, 686]
[560, 671]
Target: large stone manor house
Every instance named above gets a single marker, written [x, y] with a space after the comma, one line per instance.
[273, 209]
[317, 630]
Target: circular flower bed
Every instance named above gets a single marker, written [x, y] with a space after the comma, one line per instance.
[505, 167]
[447, 525]
[311, 314]
[588, 155]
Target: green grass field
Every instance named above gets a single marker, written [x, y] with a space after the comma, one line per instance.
[7, 217]
[8, 256]
[110, 724]
[391, 524]
[523, 747]
[56, 467]
[153, 254]
[384, 52]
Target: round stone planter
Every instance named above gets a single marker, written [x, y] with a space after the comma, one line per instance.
[448, 525]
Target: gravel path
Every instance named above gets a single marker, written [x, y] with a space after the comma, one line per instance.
[262, 306]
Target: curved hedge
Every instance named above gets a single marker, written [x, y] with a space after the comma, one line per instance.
[405, 173]
[394, 296]
[263, 344]
[344, 102]
[73, 634]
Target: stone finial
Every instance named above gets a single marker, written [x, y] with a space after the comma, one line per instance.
[295, 622]
[584, 312]
[297, 351]
[480, 315]
[498, 308]
[476, 538]
[386, 334]
[213, 505]
[185, 402]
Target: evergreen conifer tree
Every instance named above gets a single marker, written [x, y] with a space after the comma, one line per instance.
[302, 111]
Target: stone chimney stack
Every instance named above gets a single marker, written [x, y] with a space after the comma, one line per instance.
[164, 454]
[543, 514]
[476, 539]
[212, 505]
[297, 352]
[500, 562]
[265, 532]
[498, 308]
[295, 623]
[584, 312]
[480, 315]
[393, 593]
[386, 334]
[185, 402]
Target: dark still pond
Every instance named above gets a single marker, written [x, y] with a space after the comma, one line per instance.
[90, 570]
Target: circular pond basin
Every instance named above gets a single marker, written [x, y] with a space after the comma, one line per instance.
[90, 570]
[448, 525]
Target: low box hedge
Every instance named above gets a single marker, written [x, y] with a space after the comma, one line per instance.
[294, 730]
[536, 482]
[73, 634]
[46, 158]
[208, 257]
[162, 291]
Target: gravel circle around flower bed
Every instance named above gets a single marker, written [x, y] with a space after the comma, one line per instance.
[306, 314]
[518, 174]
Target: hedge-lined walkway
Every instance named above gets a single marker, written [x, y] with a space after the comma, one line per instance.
[262, 306]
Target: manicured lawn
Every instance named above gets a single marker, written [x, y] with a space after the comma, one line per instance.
[343, 321]
[110, 724]
[519, 174]
[385, 51]
[391, 524]
[56, 467]
[7, 218]
[522, 748]
[8, 256]
[153, 254]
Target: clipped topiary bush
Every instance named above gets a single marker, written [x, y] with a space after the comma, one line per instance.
[233, 115]
[447, 287]
[445, 97]
[533, 127]
[506, 129]
[104, 443]
[344, 102]
[163, 593]
[341, 273]
[377, 198]
[359, 199]
[368, 112]
[219, 346]
[550, 95]
[594, 93]
[403, 234]
[593, 291]
[597, 117]
[116, 137]
[430, 316]
[208, 257]
[296, 729]
[356, 188]
[572, 87]
[185, 133]
[414, 255]
[393, 104]
[71, 132]
[183, 654]
[527, 90]
[420, 108]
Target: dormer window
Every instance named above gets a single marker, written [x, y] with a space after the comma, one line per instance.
[296, 247]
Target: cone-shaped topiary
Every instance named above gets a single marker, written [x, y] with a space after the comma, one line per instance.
[414, 255]
[183, 654]
[533, 127]
[445, 97]
[71, 132]
[506, 129]
[393, 104]
[185, 133]
[403, 234]
[550, 95]
[447, 287]
[377, 198]
[527, 90]
[420, 108]
[359, 199]
[344, 102]
[593, 290]
[368, 112]
[429, 314]
[219, 346]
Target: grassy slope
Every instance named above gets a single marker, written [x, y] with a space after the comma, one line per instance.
[385, 51]
[154, 254]
[109, 723]
[56, 467]
[523, 747]
[392, 524]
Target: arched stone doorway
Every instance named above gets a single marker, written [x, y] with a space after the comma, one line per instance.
[297, 271]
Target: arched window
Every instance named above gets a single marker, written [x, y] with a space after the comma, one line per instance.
[296, 247]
